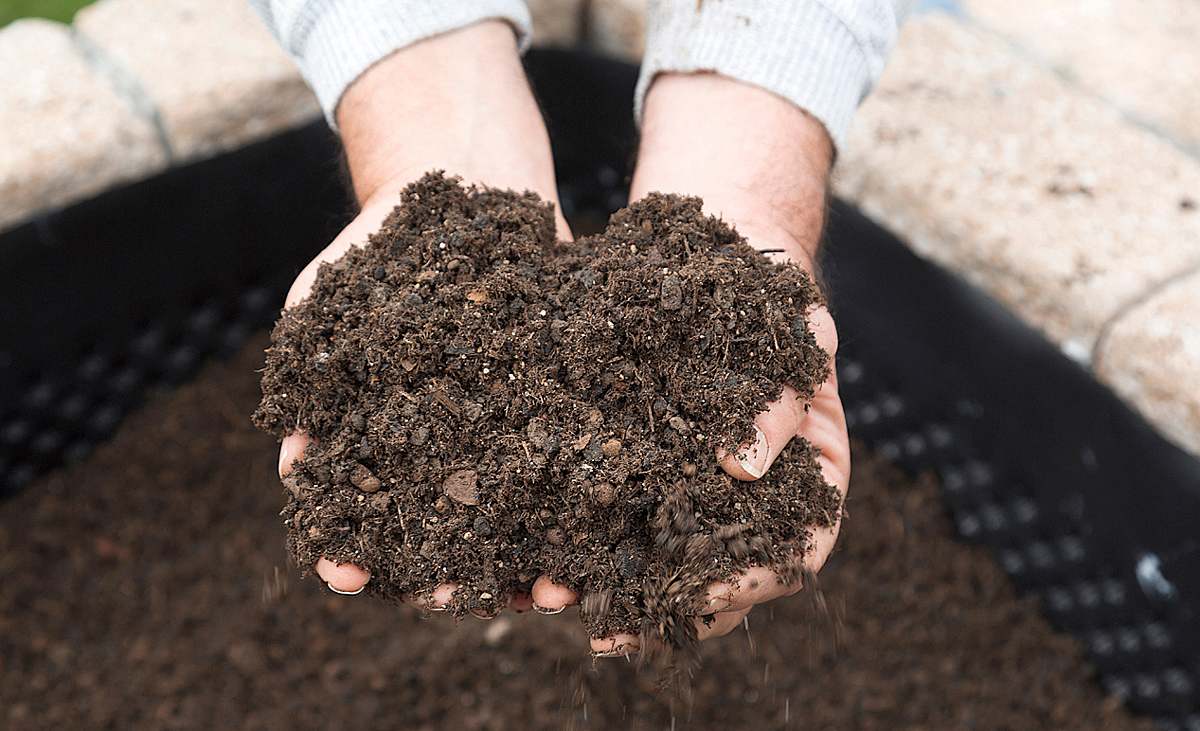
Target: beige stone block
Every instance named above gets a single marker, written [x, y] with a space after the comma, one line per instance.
[1151, 357]
[557, 23]
[1143, 55]
[618, 28]
[1044, 196]
[67, 134]
[212, 70]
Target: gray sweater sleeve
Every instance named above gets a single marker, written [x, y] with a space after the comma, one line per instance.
[335, 41]
[822, 55]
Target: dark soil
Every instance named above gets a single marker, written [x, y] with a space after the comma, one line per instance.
[148, 588]
[489, 406]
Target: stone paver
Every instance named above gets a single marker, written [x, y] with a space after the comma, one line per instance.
[67, 134]
[618, 27]
[1038, 192]
[1143, 55]
[1151, 357]
[556, 23]
[211, 69]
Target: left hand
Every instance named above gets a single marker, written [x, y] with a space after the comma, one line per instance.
[761, 164]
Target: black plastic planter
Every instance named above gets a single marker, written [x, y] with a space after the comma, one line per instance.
[1083, 504]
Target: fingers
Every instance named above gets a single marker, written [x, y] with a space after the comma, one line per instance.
[753, 586]
[756, 585]
[551, 598]
[435, 601]
[343, 578]
[720, 624]
[787, 417]
[621, 645]
[349, 579]
[774, 428]
[555, 596]
[824, 426]
[291, 449]
[439, 599]
[826, 429]
[624, 644]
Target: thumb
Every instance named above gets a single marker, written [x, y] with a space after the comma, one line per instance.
[773, 429]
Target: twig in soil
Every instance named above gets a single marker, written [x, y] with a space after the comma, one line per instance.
[441, 397]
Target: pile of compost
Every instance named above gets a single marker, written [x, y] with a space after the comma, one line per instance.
[148, 588]
[489, 405]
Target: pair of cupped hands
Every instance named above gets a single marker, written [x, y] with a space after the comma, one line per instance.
[460, 102]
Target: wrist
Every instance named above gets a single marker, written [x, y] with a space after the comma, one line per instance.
[757, 160]
[458, 101]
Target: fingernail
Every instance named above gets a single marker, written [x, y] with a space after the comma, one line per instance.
[285, 460]
[753, 457]
[336, 590]
[714, 605]
[544, 610]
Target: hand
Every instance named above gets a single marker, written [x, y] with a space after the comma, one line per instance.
[459, 102]
[761, 164]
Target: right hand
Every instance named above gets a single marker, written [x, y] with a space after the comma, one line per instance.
[459, 102]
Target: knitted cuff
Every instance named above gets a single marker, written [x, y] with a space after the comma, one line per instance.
[335, 41]
[823, 60]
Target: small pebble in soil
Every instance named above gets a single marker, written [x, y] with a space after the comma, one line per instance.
[364, 480]
[460, 486]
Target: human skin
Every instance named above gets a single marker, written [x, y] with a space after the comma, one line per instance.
[460, 102]
[761, 164]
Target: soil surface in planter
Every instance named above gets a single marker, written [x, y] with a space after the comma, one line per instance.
[488, 406]
[148, 588]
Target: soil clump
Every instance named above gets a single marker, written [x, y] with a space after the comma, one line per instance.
[489, 405]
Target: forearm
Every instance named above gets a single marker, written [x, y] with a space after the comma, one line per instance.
[744, 102]
[414, 85]
[458, 101]
[756, 159]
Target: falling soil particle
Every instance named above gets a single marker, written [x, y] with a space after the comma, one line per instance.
[462, 348]
[147, 588]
